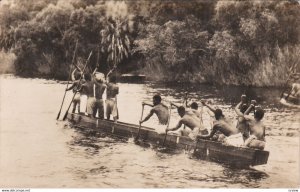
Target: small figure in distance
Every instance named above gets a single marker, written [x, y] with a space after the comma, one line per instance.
[232, 135]
[295, 91]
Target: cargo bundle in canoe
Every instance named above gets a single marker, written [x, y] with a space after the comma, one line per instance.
[203, 149]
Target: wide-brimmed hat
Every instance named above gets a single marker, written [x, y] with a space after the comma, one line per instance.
[99, 77]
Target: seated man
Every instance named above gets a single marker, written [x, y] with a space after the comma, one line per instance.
[159, 109]
[240, 109]
[232, 135]
[256, 128]
[192, 110]
[193, 123]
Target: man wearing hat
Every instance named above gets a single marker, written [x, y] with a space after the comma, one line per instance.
[97, 104]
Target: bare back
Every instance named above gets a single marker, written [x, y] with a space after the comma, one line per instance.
[99, 90]
[162, 113]
[191, 121]
[224, 126]
[257, 128]
[112, 90]
[88, 89]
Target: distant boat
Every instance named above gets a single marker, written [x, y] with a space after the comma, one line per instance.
[202, 149]
[290, 101]
[132, 78]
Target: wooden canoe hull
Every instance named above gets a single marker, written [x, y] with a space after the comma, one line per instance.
[203, 149]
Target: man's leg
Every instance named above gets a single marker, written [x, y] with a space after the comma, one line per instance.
[74, 107]
[101, 110]
[108, 109]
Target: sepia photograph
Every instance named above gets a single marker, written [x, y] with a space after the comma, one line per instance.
[149, 94]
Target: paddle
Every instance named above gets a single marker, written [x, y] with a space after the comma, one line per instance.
[65, 116]
[167, 125]
[138, 135]
[67, 82]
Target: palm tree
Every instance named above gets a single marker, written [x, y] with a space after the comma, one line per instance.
[115, 41]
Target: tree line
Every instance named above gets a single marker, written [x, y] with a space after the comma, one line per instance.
[225, 42]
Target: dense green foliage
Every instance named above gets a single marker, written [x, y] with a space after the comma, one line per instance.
[226, 42]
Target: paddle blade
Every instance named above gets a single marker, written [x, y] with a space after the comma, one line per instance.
[58, 115]
[65, 116]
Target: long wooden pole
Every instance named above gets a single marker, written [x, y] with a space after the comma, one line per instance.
[138, 134]
[165, 138]
[87, 61]
[68, 81]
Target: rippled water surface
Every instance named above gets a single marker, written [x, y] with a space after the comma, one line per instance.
[38, 151]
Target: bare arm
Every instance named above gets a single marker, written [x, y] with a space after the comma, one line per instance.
[248, 111]
[110, 72]
[95, 71]
[149, 104]
[237, 109]
[147, 117]
[72, 86]
[214, 130]
[176, 127]
[209, 107]
[173, 104]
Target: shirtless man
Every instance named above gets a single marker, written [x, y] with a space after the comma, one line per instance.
[159, 109]
[87, 94]
[99, 88]
[193, 123]
[75, 87]
[232, 135]
[192, 110]
[240, 109]
[111, 98]
[256, 128]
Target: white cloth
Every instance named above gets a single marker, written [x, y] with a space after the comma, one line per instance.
[234, 140]
[83, 103]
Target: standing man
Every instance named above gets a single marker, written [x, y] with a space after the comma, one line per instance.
[75, 87]
[111, 98]
[99, 88]
[86, 98]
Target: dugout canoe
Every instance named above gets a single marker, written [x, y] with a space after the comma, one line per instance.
[202, 149]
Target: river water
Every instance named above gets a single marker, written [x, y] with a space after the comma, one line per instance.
[36, 151]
